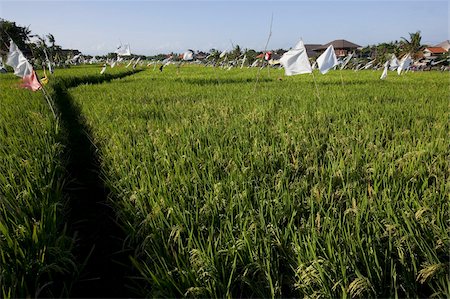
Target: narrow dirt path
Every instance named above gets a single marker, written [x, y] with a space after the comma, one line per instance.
[99, 240]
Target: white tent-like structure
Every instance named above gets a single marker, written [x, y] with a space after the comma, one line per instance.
[295, 61]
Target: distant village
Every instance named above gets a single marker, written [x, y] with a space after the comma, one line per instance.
[44, 51]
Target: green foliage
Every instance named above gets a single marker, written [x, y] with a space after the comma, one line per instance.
[18, 34]
[35, 251]
[412, 46]
[225, 191]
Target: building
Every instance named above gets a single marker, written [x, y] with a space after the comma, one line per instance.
[310, 49]
[341, 47]
[445, 45]
[433, 52]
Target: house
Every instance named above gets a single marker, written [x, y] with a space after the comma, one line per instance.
[201, 55]
[341, 47]
[310, 49]
[445, 45]
[433, 52]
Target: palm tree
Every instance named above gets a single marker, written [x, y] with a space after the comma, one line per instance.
[412, 46]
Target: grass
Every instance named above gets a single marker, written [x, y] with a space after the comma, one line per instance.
[225, 188]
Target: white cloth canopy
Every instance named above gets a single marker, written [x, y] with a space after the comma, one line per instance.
[295, 61]
[327, 60]
[18, 62]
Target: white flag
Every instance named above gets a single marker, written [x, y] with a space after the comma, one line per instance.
[18, 62]
[123, 50]
[394, 63]
[327, 60]
[369, 64]
[103, 69]
[243, 61]
[137, 60]
[384, 74]
[346, 60]
[131, 61]
[223, 54]
[48, 62]
[404, 64]
[188, 55]
[295, 61]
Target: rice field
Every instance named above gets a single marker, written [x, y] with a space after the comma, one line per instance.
[225, 186]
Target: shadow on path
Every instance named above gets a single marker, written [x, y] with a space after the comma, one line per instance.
[99, 239]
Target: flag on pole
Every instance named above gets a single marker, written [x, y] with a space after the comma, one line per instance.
[103, 69]
[188, 55]
[385, 71]
[123, 50]
[346, 60]
[131, 61]
[404, 64]
[31, 82]
[243, 61]
[295, 61]
[394, 63]
[18, 62]
[222, 55]
[327, 60]
[48, 62]
[134, 65]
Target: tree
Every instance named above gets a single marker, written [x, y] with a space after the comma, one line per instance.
[20, 35]
[251, 55]
[412, 46]
[235, 53]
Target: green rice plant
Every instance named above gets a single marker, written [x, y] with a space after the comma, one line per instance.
[225, 189]
[35, 250]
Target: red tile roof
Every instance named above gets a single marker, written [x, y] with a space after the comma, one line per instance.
[436, 50]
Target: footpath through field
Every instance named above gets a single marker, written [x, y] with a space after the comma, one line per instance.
[98, 238]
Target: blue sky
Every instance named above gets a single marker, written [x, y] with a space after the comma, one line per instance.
[151, 27]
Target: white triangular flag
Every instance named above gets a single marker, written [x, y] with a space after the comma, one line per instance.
[243, 61]
[385, 71]
[131, 61]
[188, 55]
[49, 65]
[346, 60]
[404, 64]
[134, 65]
[295, 61]
[394, 63]
[18, 62]
[223, 54]
[124, 50]
[103, 69]
[369, 64]
[327, 60]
